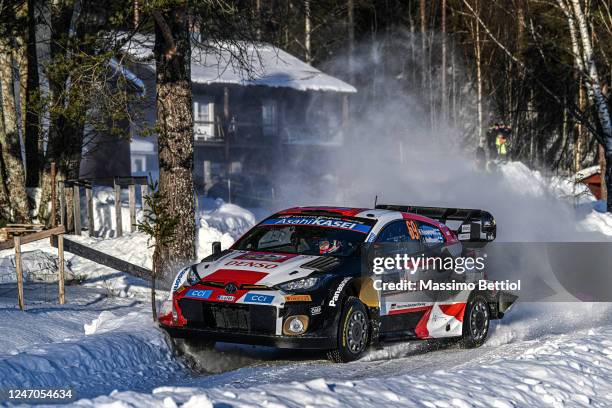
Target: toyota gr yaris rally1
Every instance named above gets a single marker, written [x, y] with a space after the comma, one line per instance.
[303, 278]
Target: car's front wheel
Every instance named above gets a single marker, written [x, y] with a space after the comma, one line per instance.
[353, 332]
[476, 322]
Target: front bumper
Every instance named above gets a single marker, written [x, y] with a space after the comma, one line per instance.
[247, 323]
[302, 342]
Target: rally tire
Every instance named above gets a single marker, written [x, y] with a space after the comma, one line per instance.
[476, 322]
[353, 332]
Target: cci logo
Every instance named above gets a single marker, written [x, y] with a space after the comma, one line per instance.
[257, 298]
[231, 288]
[199, 294]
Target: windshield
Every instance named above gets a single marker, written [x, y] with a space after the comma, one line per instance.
[324, 236]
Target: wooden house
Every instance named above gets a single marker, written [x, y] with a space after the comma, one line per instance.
[252, 126]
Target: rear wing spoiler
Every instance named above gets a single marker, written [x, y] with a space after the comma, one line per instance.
[474, 226]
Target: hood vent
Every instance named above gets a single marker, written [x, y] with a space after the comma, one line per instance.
[321, 264]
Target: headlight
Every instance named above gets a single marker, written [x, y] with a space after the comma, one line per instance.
[192, 276]
[300, 284]
[166, 308]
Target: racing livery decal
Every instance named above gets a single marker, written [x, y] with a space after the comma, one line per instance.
[258, 298]
[431, 234]
[319, 222]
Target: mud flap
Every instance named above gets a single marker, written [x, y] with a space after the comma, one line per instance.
[503, 302]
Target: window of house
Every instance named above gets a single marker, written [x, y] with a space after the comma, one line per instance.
[269, 117]
[204, 117]
[138, 164]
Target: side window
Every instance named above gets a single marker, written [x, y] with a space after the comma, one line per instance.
[394, 232]
[430, 234]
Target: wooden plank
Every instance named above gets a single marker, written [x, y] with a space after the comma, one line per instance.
[132, 202]
[68, 193]
[34, 226]
[19, 230]
[144, 191]
[90, 218]
[126, 181]
[19, 272]
[102, 258]
[76, 205]
[60, 255]
[36, 236]
[53, 195]
[118, 222]
[62, 205]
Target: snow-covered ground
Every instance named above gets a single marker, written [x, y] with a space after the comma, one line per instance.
[104, 345]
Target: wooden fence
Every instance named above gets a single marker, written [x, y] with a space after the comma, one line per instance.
[17, 241]
[73, 188]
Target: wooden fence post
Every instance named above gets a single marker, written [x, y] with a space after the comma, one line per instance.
[19, 272]
[119, 227]
[90, 219]
[76, 205]
[132, 198]
[63, 204]
[144, 191]
[60, 255]
[53, 195]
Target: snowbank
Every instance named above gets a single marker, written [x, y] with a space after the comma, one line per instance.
[566, 370]
[109, 351]
[534, 200]
[226, 223]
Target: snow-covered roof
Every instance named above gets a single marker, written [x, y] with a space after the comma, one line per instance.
[268, 66]
[588, 172]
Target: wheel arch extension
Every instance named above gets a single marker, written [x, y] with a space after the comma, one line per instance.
[363, 289]
[499, 302]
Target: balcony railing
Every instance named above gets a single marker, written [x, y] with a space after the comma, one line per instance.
[241, 133]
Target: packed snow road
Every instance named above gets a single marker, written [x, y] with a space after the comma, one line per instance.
[108, 350]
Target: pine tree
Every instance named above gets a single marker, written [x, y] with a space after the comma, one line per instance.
[160, 225]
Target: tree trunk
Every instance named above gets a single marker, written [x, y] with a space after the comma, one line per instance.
[594, 91]
[601, 153]
[579, 145]
[443, 108]
[350, 11]
[175, 129]
[258, 19]
[413, 58]
[307, 32]
[65, 141]
[154, 271]
[12, 171]
[424, 68]
[32, 118]
[478, 55]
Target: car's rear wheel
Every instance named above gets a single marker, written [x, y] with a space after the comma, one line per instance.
[353, 332]
[476, 322]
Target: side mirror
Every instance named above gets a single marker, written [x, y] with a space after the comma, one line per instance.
[216, 248]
